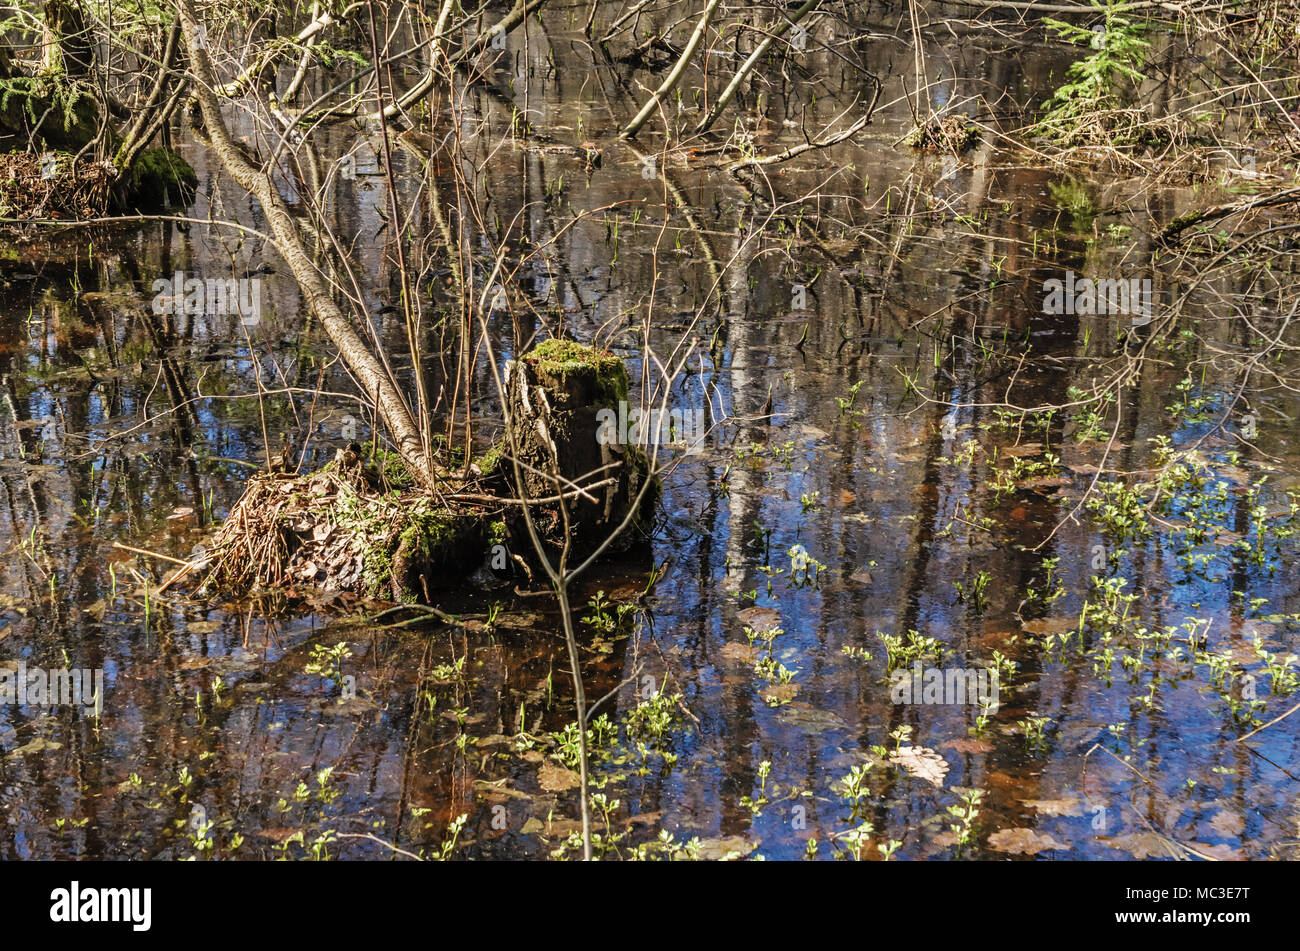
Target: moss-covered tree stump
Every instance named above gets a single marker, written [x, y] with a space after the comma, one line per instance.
[555, 393]
[363, 524]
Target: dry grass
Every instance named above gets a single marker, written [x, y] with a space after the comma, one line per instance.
[335, 530]
[54, 186]
[952, 134]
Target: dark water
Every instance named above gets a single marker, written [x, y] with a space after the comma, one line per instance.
[926, 276]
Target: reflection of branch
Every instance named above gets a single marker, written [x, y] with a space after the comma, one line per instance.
[1183, 222]
[670, 83]
[627, 15]
[749, 64]
[507, 23]
[242, 81]
[1084, 8]
[815, 144]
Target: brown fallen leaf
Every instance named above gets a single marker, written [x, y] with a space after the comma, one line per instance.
[1024, 449]
[278, 835]
[726, 849]
[944, 839]
[922, 762]
[1222, 851]
[861, 576]
[738, 653]
[1227, 824]
[775, 694]
[1055, 807]
[1023, 842]
[1044, 482]
[968, 744]
[556, 778]
[1050, 625]
[1143, 845]
[760, 619]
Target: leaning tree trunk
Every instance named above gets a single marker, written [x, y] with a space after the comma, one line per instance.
[365, 366]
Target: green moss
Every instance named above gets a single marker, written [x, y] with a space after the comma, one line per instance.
[490, 460]
[558, 360]
[159, 179]
[432, 533]
[396, 474]
[427, 536]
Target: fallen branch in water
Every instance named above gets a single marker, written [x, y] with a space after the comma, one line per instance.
[751, 62]
[670, 83]
[151, 554]
[1268, 724]
[1183, 222]
[814, 144]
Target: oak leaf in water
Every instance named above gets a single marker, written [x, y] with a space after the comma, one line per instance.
[1143, 845]
[1055, 807]
[738, 653]
[968, 744]
[557, 779]
[760, 619]
[1050, 625]
[1221, 852]
[1023, 842]
[1227, 824]
[1024, 449]
[922, 762]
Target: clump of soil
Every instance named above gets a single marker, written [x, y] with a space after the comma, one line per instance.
[947, 134]
[56, 185]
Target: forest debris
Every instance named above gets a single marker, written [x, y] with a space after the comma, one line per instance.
[1142, 845]
[54, 185]
[1183, 222]
[922, 762]
[1055, 807]
[953, 134]
[337, 530]
[553, 778]
[760, 619]
[1023, 842]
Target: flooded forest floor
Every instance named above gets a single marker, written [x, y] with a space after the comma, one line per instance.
[925, 446]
